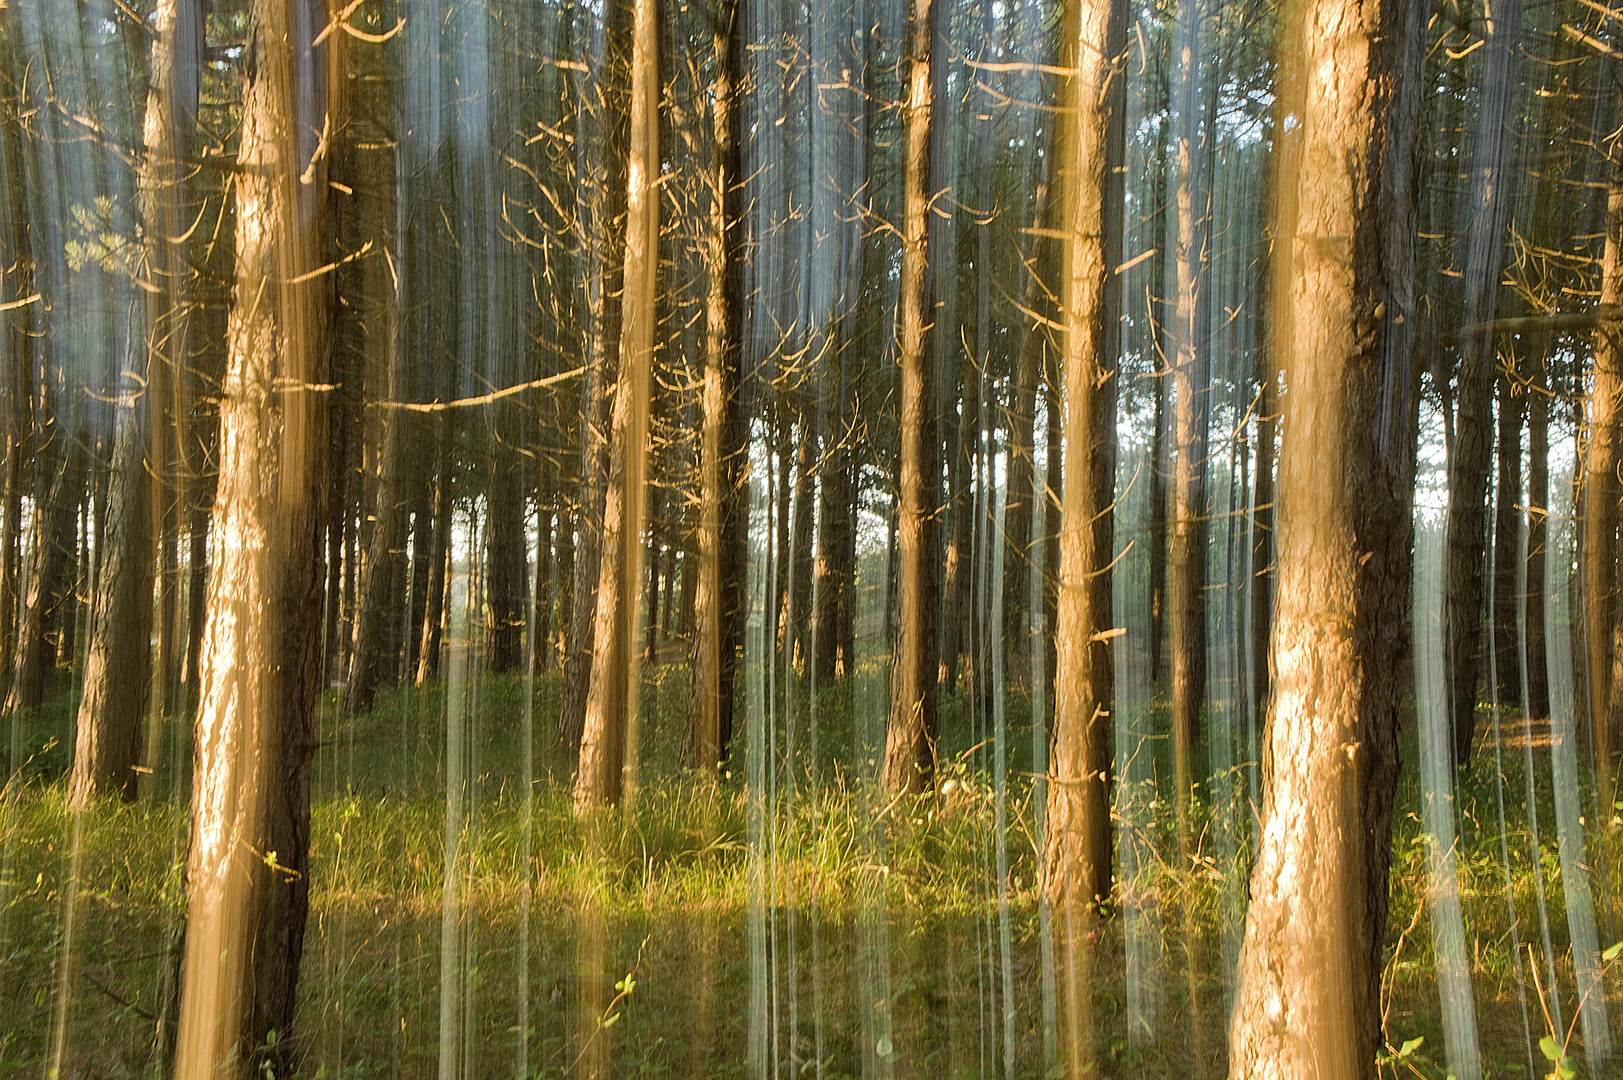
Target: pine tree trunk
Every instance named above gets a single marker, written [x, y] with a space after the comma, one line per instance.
[1078, 856]
[911, 733]
[247, 872]
[373, 662]
[118, 657]
[54, 548]
[715, 607]
[1538, 508]
[1309, 970]
[1603, 610]
[602, 160]
[1506, 542]
[609, 739]
[1190, 372]
[439, 558]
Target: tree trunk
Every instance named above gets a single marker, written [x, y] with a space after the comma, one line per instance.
[118, 656]
[609, 747]
[54, 545]
[1603, 612]
[247, 872]
[1190, 371]
[439, 559]
[910, 735]
[1078, 857]
[1506, 542]
[1309, 969]
[1538, 509]
[602, 160]
[372, 661]
[714, 610]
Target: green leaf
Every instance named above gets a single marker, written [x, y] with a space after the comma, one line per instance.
[1552, 1049]
[1056, 1073]
[611, 1019]
[1410, 1046]
[1611, 954]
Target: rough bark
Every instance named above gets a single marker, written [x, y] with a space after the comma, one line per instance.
[117, 657]
[1309, 973]
[1603, 612]
[910, 735]
[608, 746]
[1078, 856]
[1190, 371]
[247, 872]
[602, 162]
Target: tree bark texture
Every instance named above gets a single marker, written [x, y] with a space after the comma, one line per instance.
[247, 871]
[1308, 1001]
[910, 736]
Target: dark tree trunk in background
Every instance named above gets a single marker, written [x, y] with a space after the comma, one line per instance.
[439, 557]
[505, 591]
[1472, 458]
[1508, 499]
[1538, 508]
[55, 548]
[373, 660]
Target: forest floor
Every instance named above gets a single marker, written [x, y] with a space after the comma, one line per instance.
[814, 930]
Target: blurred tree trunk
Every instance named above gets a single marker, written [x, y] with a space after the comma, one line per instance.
[715, 598]
[55, 546]
[541, 627]
[1507, 540]
[1603, 611]
[247, 872]
[911, 733]
[1472, 459]
[372, 662]
[1344, 310]
[1020, 502]
[439, 557]
[609, 744]
[601, 164]
[1190, 371]
[1078, 856]
[1538, 509]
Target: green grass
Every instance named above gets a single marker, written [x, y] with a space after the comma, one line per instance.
[873, 935]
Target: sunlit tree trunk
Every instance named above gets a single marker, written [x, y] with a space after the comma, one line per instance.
[910, 735]
[1308, 1002]
[247, 870]
[601, 161]
[616, 679]
[1078, 857]
[1603, 612]
[711, 702]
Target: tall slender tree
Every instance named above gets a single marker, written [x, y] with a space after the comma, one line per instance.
[910, 737]
[1078, 857]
